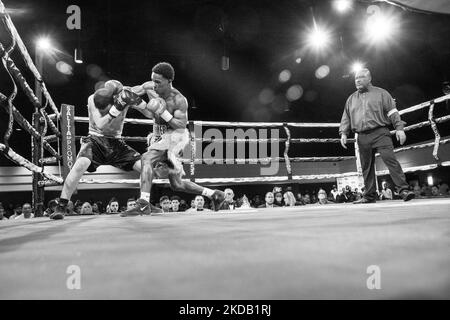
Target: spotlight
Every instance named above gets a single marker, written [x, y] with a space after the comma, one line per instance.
[298, 60]
[356, 66]
[318, 38]
[44, 44]
[342, 5]
[380, 27]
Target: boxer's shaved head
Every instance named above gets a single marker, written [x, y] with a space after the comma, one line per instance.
[103, 98]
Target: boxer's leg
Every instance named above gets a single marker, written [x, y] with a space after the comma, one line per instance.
[178, 184]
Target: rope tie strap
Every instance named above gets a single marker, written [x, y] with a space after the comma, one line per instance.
[437, 136]
[286, 151]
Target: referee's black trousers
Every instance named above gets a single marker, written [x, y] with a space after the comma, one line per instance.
[373, 141]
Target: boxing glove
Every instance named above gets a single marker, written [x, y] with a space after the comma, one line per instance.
[125, 98]
[113, 86]
[158, 107]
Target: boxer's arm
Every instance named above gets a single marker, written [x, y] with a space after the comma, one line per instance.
[101, 121]
[147, 113]
[145, 88]
[179, 120]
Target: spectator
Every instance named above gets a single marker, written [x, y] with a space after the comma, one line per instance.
[165, 204]
[443, 188]
[299, 199]
[306, 198]
[95, 209]
[426, 190]
[386, 193]
[17, 211]
[131, 203]
[3, 214]
[279, 199]
[256, 201]
[70, 209]
[277, 189]
[51, 205]
[358, 195]
[77, 206]
[334, 192]
[26, 212]
[113, 206]
[435, 191]
[417, 191]
[229, 203]
[183, 205]
[289, 199]
[349, 194]
[322, 197]
[86, 209]
[270, 199]
[245, 204]
[175, 202]
[199, 203]
[341, 197]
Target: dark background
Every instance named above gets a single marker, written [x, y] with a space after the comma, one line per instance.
[123, 40]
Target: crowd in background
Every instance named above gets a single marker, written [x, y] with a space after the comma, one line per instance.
[275, 197]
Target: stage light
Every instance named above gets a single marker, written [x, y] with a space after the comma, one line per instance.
[342, 5]
[294, 92]
[322, 72]
[298, 60]
[380, 27]
[357, 66]
[44, 44]
[318, 38]
[430, 180]
[64, 68]
[284, 76]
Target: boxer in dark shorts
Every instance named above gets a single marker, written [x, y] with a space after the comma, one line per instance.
[108, 151]
[104, 145]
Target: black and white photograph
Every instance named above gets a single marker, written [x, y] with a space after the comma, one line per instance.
[224, 155]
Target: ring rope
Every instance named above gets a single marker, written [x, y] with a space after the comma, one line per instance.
[26, 58]
[17, 158]
[424, 104]
[27, 126]
[11, 66]
[12, 96]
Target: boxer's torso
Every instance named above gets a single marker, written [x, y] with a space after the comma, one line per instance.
[115, 127]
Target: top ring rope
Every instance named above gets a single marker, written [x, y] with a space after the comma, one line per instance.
[15, 72]
[26, 56]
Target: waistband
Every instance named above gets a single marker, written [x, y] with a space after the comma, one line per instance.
[93, 133]
[370, 130]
